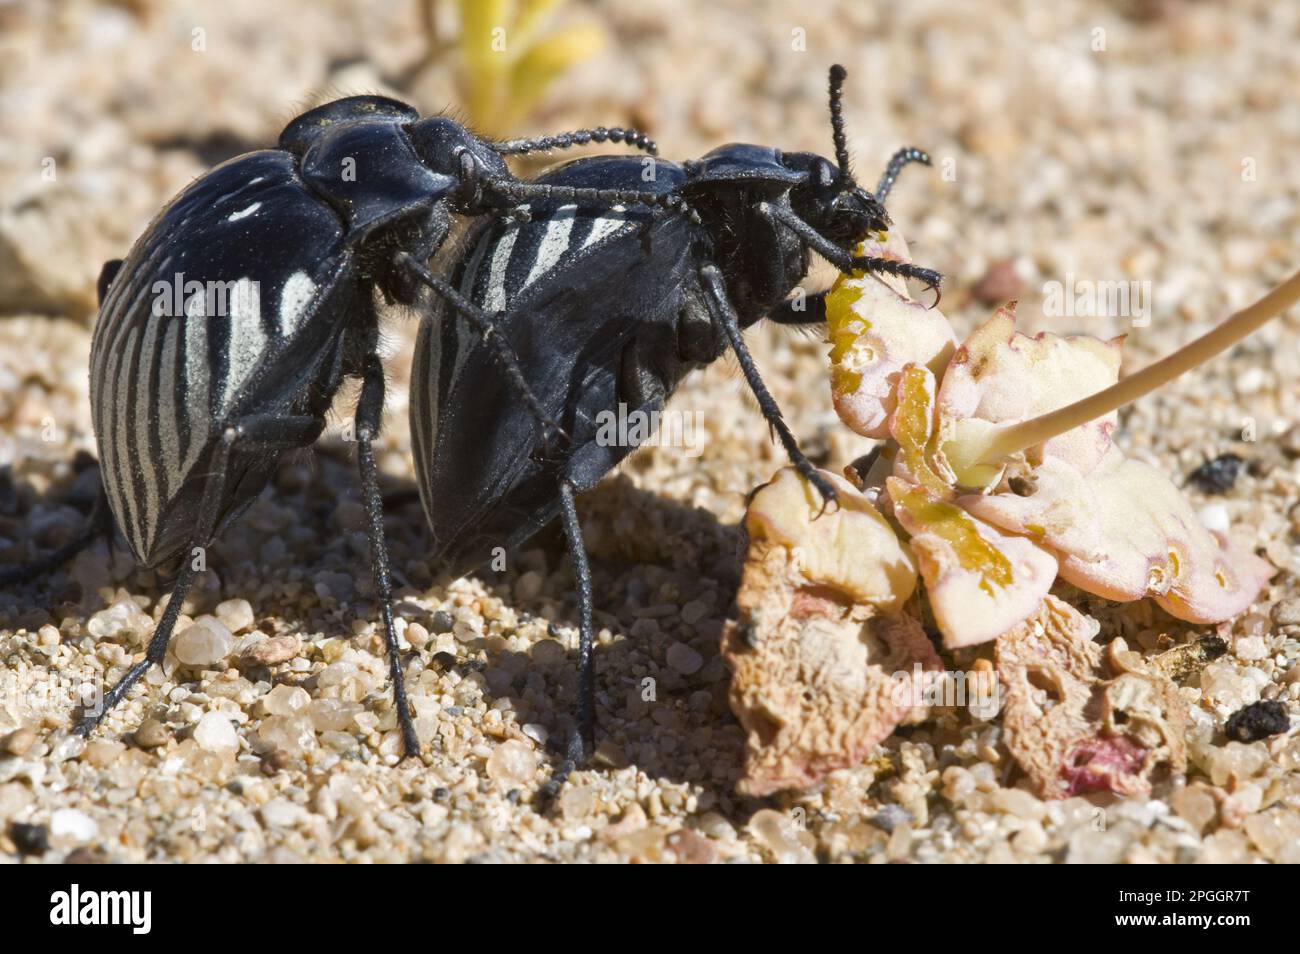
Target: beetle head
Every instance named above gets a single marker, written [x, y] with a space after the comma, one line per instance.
[446, 146]
[829, 199]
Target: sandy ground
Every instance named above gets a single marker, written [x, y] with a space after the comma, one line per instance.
[1146, 142]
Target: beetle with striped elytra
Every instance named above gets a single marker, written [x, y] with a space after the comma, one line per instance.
[608, 307]
[194, 406]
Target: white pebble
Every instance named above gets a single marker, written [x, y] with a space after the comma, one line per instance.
[1250, 381]
[281, 813]
[1214, 517]
[206, 643]
[236, 614]
[512, 764]
[73, 824]
[286, 700]
[215, 733]
[123, 618]
[1251, 648]
[538, 733]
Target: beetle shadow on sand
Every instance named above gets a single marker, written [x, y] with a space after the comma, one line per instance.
[666, 715]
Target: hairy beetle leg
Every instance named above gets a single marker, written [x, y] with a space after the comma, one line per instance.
[582, 742]
[843, 260]
[873, 263]
[725, 315]
[370, 410]
[812, 312]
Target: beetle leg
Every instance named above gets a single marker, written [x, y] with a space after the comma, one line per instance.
[813, 311]
[486, 328]
[370, 410]
[843, 260]
[725, 315]
[896, 164]
[100, 523]
[269, 433]
[106, 276]
[582, 743]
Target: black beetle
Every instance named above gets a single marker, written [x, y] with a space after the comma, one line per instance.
[612, 307]
[225, 334]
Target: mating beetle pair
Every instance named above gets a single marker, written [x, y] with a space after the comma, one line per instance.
[193, 410]
[589, 287]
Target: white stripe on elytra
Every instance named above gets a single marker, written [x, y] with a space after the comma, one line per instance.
[495, 298]
[122, 439]
[244, 212]
[472, 267]
[169, 431]
[554, 243]
[605, 225]
[143, 422]
[197, 401]
[246, 343]
[108, 437]
[294, 298]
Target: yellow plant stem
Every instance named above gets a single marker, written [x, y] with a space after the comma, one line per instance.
[1026, 434]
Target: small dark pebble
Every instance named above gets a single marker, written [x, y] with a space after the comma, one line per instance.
[30, 839]
[274, 762]
[1000, 284]
[1023, 486]
[513, 796]
[890, 817]
[454, 711]
[444, 660]
[441, 794]
[442, 622]
[1257, 721]
[1217, 476]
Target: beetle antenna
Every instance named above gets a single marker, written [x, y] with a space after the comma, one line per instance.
[838, 73]
[578, 137]
[896, 164]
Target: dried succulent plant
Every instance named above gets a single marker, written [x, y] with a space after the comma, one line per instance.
[997, 476]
